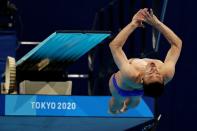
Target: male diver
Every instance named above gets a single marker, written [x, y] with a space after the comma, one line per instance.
[140, 76]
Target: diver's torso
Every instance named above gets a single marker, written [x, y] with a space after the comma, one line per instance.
[126, 83]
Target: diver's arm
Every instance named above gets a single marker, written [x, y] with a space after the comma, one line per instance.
[116, 45]
[175, 42]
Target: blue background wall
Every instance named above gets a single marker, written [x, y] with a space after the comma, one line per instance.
[178, 104]
[39, 18]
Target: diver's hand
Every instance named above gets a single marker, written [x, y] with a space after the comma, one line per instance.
[150, 18]
[138, 18]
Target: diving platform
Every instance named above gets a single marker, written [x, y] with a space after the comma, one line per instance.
[68, 113]
[51, 106]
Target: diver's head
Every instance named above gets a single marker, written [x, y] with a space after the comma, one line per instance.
[153, 81]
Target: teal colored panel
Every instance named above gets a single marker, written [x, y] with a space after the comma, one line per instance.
[62, 47]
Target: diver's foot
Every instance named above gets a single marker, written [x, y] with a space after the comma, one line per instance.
[124, 108]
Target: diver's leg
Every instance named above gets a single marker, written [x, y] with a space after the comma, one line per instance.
[115, 105]
[130, 102]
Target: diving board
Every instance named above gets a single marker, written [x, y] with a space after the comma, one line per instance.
[70, 112]
[87, 106]
[60, 49]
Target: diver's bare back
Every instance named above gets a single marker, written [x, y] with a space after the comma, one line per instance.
[139, 64]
